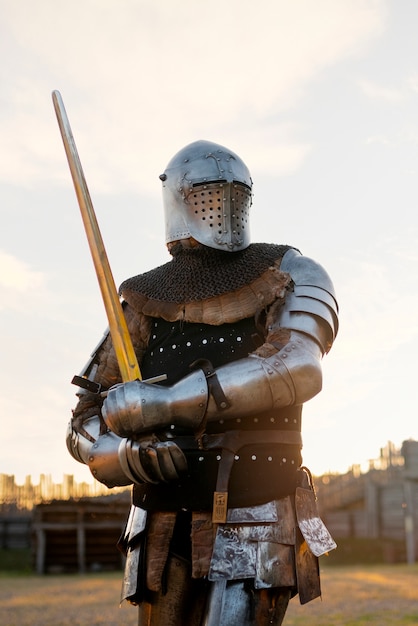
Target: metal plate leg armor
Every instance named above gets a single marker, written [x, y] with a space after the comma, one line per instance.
[199, 603]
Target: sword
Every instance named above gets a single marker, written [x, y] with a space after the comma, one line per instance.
[119, 332]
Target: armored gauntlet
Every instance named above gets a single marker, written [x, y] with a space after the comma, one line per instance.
[116, 461]
[136, 407]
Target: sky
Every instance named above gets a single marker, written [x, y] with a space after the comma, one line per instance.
[320, 99]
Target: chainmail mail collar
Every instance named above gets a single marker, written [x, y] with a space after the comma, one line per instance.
[200, 273]
[207, 285]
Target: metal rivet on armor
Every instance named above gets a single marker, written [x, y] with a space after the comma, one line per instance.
[223, 405]
[254, 457]
[221, 421]
[256, 419]
[286, 419]
[236, 457]
[272, 419]
[276, 363]
[95, 472]
[91, 458]
[284, 459]
[163, 177]
[172, 426]
[269, 458]
[218, 457]
[270, 372]
[238, 420]
[96, 445]
[201, 458]
[201, 404]
[284, 356]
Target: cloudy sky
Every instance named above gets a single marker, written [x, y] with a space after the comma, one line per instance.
[319, 98]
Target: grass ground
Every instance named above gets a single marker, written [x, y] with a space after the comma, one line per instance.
[351, 596]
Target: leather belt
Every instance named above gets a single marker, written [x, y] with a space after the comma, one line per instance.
[230, 442]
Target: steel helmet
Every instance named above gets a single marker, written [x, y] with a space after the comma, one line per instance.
[207, 194]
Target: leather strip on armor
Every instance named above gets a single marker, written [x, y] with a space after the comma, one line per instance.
[203, 535]
[159, 536]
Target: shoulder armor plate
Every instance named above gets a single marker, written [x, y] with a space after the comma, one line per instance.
[306, 271]
[312, 306]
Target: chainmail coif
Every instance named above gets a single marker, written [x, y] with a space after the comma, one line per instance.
[199, 273]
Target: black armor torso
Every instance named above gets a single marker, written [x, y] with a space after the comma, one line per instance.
[175, 346]
[172, 349]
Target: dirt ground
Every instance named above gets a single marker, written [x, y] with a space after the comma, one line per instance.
[361, 596]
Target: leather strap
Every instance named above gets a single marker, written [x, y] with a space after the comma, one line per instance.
[230, 442]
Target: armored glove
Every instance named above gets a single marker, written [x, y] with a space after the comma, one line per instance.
[135, 407]
[151, 460]
[115, 461]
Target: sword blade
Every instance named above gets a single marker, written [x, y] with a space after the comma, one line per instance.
[119, 332]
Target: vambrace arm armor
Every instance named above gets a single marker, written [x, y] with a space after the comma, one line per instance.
[116, 461]
[87, 444]
[249, 386]
[274, 376]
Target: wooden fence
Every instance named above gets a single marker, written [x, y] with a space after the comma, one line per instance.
[79, 535]
[21, 498]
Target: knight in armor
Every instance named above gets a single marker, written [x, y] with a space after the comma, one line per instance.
[220, 528]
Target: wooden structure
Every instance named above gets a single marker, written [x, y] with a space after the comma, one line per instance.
[79, 535]
[381, 504]
[15, 532]
[16, 499]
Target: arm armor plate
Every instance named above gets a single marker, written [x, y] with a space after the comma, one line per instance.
[99, 452]
[312, 307]
[116, 461]
[292, 375]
